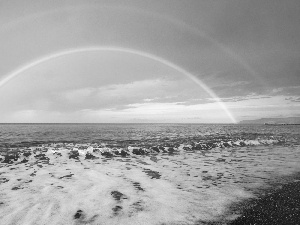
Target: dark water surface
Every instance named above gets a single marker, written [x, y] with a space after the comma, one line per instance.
[11, 134]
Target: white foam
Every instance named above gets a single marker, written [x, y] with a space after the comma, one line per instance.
[193, 187]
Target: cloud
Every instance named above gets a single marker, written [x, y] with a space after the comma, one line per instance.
[264, 106]
[244, 98]
[163, 112]
[247, 52]
[120, 96]
[290, 90]
[41, 95]
[293, 99]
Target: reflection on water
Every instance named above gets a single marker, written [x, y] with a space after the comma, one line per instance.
[157, 179]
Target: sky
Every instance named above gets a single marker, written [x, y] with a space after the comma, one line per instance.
[167, 61]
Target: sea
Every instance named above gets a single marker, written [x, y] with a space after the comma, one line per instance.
[140, 173]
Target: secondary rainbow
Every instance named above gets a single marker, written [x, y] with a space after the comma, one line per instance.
[19, 71]
[173, 21]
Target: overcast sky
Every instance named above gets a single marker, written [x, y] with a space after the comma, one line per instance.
[190, 61]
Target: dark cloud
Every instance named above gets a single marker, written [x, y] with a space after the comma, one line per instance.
[243, 98]
[293, 99]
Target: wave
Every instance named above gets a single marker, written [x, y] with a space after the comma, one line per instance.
[90, 151]
[168, 181]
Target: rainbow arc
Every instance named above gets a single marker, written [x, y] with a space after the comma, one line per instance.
[52, 56]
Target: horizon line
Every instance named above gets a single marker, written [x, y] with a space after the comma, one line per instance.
[113, 123]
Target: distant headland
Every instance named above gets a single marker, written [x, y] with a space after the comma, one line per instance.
[274, 121]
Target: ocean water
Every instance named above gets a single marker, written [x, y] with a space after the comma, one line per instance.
[139, 173]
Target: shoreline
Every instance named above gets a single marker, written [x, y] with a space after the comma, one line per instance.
[278, 205]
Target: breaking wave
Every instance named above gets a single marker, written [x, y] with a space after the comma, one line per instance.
[169, 176]
[123, 149]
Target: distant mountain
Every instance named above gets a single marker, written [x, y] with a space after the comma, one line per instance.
[287, 120]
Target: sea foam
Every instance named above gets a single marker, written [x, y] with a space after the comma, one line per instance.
[91, 183]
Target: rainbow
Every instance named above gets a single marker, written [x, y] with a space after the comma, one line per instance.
[22, 69]
[173, 21]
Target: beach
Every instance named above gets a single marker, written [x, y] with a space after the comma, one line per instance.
[185, 177]
[279, 205]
